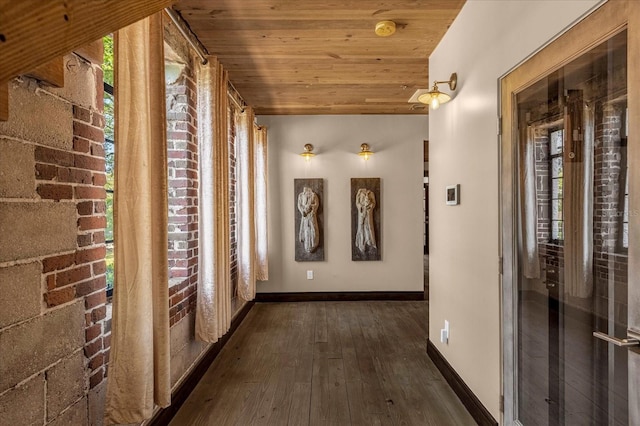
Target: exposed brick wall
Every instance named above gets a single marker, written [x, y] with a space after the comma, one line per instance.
[610, 261]
[182, 145]
[59, 329]
[608, 174]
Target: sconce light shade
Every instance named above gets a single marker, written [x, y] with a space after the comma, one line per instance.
[365, 152]
[435, 97]
[308, 152]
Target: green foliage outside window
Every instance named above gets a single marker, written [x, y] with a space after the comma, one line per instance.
[109, 136]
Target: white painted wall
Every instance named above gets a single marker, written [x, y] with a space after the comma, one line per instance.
[398, 144]
[487, 39]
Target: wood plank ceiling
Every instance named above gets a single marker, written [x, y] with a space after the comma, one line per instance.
[322, 56]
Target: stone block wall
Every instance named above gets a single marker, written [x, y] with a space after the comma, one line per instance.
[54, 336]
[54, 314]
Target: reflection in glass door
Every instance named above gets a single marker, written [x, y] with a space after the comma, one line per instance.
[573, 238]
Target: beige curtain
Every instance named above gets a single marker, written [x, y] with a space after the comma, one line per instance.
[246, 225]
[578, 201]
[213, 306]
[262, 258]
[139, 374]
[528, 205]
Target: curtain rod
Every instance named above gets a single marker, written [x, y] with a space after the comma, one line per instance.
[188, 35]
[192, 39]
[235, 96]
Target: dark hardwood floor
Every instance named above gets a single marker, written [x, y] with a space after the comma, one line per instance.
[326, 363]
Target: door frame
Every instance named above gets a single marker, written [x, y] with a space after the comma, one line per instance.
[604, 22]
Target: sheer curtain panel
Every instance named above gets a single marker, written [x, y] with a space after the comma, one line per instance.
[245, 192]
[578, 203]
[213, 306]
[139, 374]
[262, 258]
[528, 207]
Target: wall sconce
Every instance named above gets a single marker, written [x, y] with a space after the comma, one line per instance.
[308, 152]
[365, 152]
[435, 97]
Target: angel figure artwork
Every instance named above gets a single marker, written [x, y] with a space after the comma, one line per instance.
[365, 219]
[308, 206]
[366, 234]
[309, 244]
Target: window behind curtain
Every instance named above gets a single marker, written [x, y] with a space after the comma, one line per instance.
[556, 138]
[109, 141]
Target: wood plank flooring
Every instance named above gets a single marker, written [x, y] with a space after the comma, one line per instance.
[326, 363]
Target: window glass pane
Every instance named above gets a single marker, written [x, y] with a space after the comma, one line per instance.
[625, 235]
[556, 209]
[108, 116]
[557, 230]
[556, 167]
[109, 103]
[625, 217]
[107, 65]
[556, 188]
[556, 142]
[109, 261]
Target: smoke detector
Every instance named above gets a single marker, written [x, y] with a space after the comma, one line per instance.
[385, 28]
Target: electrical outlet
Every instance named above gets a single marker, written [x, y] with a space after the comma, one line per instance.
[309, 275]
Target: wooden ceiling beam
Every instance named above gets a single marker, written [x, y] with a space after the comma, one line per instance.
[92, 52]
[4, 101]
[51, 72]
[32, 32]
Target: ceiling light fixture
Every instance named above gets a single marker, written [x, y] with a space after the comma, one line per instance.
[435, 97]
[365, 151]
[385, 28]
[308, 152]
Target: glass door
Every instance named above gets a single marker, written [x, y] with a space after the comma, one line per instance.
[573, 233]
[570, 229]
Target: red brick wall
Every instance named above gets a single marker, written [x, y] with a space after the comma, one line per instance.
[182, 145]
[80, 175]
[610, 260]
